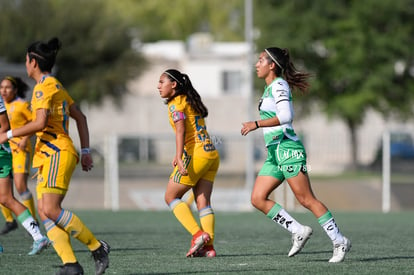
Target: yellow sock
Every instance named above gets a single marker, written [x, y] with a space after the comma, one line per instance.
[30, 205]
[7, 214]
[60, 241]
[77, 229]
[207, 220]
[184, 215]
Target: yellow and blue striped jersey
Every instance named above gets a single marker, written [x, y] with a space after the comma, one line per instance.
[196, 140]
[49, 94]
[19, 114]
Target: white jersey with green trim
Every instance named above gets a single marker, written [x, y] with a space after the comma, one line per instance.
[277, 102]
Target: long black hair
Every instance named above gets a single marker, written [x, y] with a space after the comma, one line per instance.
[44, 53]
[284, 67]
[185, 87]
[19, 85]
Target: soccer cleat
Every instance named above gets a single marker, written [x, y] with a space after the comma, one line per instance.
[207, 251]
[9, 226]
[101, 258]
[70, 269]
[39, 246]
[198, 242]
[299, 240]
[340, 250]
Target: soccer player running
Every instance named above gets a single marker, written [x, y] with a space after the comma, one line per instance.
[56, 158]
[13, 91]
[286, 157]
[6, 189]
[195, 163]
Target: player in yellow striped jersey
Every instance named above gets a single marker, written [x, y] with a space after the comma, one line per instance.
[195, 163]
[7, 198]
[13, 90]
[56, 158]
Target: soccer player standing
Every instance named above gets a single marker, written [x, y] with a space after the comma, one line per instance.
[286, 157]
[56, 158]
[6, 189]
[195, 163]
[13, 91]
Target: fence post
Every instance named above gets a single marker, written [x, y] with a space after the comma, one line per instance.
[386, 172]
[111, 180]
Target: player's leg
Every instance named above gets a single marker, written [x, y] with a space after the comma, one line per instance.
[21, 168]
[301, 187]
[11, 223]
[262, 189]
[53, 185]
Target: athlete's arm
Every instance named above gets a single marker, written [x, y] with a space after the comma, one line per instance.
[4, 123]
[82, 125]
[179, 145]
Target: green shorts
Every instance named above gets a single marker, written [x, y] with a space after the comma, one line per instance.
[5, 163]
[284, 160]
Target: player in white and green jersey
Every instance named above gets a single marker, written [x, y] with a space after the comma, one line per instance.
[286, 157]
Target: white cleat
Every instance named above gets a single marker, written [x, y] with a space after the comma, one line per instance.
[299, 240]
[340, 250]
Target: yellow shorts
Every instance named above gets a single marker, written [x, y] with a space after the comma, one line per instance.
[197, 168]
[55, 173]
[21, 162]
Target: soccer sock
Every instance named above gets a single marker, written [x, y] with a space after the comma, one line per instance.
[281, 217]
[31, 226]
[8, 216]
[77, 229]
[27, 200]
[329, 225]
[60, 241]
[184, 215]
[189, 198]
[207, 220]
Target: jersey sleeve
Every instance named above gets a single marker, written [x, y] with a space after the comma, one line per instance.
[281, 94]
[41, 100]
[176, 110]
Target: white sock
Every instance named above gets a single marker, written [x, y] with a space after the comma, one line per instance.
[31, 226]
[281, 217]
[333, 232]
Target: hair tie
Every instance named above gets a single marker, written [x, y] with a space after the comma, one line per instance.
[12, 80]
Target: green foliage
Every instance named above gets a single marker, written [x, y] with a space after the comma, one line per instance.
[352, 47]
[96, 58]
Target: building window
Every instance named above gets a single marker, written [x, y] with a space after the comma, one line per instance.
[231, 82]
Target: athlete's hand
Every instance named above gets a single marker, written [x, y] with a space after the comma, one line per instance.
[87, 162]
[181, 168]
[248, 127]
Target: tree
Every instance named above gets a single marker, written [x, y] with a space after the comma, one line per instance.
[96, 59]
[359, 51]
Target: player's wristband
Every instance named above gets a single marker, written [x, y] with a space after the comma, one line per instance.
[9, 134]
[257, 124]
[85, 151]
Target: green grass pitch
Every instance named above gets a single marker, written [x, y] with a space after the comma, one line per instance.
[246, 243]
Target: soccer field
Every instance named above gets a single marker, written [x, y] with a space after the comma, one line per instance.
[246, 243]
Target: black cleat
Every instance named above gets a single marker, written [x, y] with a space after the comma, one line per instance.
[101, 258]
[9, 226]
[70, 269]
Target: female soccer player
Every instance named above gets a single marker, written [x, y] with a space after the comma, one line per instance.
[13, 90]
[56, 158]
[195, 163]
[6, 189]
[286, 158]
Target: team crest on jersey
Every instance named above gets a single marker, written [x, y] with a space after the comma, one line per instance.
[172, 108]
[38, 94]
